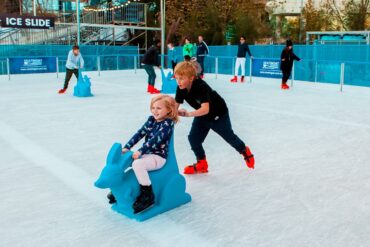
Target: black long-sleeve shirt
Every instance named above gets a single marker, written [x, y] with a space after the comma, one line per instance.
[202, 49]
[287, 57]
[151, 56]
[243, 49]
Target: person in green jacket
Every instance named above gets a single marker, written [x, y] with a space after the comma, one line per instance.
[187, 50]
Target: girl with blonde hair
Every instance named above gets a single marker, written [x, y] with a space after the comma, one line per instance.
[152, 156]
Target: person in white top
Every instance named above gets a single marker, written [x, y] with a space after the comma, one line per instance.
[74, 63]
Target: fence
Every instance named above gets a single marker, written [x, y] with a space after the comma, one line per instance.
[349, 73]
[352, 66]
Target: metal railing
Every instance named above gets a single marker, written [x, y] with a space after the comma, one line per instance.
[132, 14]
[65, 30]
[340, 73]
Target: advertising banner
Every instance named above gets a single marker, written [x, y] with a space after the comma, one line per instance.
[266, 68]
[24, 65]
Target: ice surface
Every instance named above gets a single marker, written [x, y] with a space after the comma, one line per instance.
[310, 186]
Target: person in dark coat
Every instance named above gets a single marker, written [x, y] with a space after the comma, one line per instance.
[286, 64]
[202, 52]
[150, 60]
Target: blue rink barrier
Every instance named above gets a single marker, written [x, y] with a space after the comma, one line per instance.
[325, 71]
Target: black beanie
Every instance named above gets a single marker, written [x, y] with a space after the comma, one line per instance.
[289, 43]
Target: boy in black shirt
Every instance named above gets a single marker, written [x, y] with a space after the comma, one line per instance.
[211, 113]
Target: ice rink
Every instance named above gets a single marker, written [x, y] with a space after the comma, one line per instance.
[310, 187]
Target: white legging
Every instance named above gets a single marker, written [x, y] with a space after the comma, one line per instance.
[147, 162]
[240, 61]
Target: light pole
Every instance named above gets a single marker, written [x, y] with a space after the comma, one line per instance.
[34, 7]
[300, 22]
[163, 23]
[78, 21]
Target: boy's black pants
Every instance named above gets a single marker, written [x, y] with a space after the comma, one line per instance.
[69, 73]
[200, 60]
[151, 74]
[173, 66]
[222, 126]
[286, 75]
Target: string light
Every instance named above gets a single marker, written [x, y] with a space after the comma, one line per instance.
[88, 9]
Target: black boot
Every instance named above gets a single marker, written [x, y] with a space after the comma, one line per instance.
[111, 198]
[144, 200]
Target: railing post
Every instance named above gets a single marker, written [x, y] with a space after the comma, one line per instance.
[57, 61]
[8, 68]
[216, 66]
[315, 71]
[236, 72]
[292, 81]
[117, 62]
[135, 63]
[341, 76]
[98, 65]
[250, 70]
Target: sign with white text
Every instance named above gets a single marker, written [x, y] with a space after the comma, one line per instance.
[32, 22]
[28, 65]
[266, 68]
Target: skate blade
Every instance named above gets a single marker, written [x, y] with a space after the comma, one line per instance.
[145, 209]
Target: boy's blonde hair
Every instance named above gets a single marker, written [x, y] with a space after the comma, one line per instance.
[185, 69]
[170, 104]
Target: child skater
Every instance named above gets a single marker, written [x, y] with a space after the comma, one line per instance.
[286, 65]
[157, 131]
[210, 112]
[243, 48]
[74, 63]
[172, 55]
[150, 60]
[187, 50]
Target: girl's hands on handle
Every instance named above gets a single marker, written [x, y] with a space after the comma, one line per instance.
[125, 150]
[136, 155]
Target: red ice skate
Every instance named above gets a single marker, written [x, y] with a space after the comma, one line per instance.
[200, 167]
[61, 91]
[248, 157]
[284, 86]
[234, 79]
[153, 90]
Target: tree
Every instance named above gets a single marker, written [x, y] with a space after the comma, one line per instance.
[349, 15]
[9, 6]
[317, 19]
[355, 14]
[211, 18]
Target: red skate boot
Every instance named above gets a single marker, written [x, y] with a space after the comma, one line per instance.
[200, 167]
[153, 90]
[234, 79]
[284, 86]
[248, 157]
[61, 91]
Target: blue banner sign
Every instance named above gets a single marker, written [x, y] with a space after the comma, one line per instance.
[28, 65]
[266, 68]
